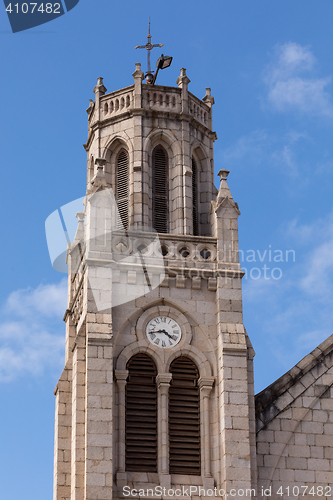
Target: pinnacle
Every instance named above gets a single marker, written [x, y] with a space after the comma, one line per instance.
[224, 191]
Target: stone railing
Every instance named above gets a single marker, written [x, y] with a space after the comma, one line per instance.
[116, 102]
[162, 99]
[192, 251]
[77, 279]
[199, 110]
[189, 251]
[76, 306]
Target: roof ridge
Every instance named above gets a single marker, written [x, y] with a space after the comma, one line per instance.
[267, 396]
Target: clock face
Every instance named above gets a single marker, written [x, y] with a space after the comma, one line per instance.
[163, 332]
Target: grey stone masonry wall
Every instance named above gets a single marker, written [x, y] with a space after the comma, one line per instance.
[193, 279]
[139, 117]
[295, 429]
[62, 437]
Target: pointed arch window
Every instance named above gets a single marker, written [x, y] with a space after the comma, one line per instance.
[141, 415]
[195, 198]
[122, 191]
[184, 418]
[160, 190]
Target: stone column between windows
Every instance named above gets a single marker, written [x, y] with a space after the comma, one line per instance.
[163, 383]
[183, 209]
[136, 188]
[121, 378]
[205, 385]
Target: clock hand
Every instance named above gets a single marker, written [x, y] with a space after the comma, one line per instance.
[172, 337]
[168, 334]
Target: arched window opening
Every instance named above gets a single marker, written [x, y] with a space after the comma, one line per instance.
[122, 190]
[195, 198]
[141, 415]
[184, 418]
[160, 190]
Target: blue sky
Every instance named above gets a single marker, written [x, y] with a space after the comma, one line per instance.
[270, 67]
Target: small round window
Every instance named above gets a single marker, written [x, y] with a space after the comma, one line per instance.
[164, 250]
[205, 253]
[184, 252]
[142, 248]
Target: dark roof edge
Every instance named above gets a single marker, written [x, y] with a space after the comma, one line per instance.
[267, 396]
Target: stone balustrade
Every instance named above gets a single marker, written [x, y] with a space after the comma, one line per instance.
[162, 98]
[116, 102]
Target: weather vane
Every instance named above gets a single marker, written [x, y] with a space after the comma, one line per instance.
[163, 61]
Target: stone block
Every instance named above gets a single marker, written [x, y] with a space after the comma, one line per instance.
[298, 463]
[312, 427]
[317, 451]
[298, 451]
[324, 477]
[304, 476]
[318, 464]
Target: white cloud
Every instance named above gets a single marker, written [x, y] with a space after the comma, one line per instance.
[262, 148]
[46, 300]
[294, 231]
[295, 313]
[252, 145]
[318, 279]
[289, 89]
[32, 331]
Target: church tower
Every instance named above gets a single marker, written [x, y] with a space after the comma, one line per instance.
[157, 389]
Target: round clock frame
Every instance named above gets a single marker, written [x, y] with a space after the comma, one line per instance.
[163, 332]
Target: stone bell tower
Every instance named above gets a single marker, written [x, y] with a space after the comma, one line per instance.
[157, 389]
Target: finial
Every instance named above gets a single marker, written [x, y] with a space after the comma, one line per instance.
[99, 177]
[90, 108]
[223, 174]
[138, 73]
[100, 88]
[79, 235]
[80, 217]
[183, 79]
[208, 99]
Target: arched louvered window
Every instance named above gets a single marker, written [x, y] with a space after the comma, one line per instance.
[141, 415]
[122, 190]
[184, 418]
[195, 198]
[160, 190]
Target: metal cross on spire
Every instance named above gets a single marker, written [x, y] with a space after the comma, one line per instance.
[149, 46]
